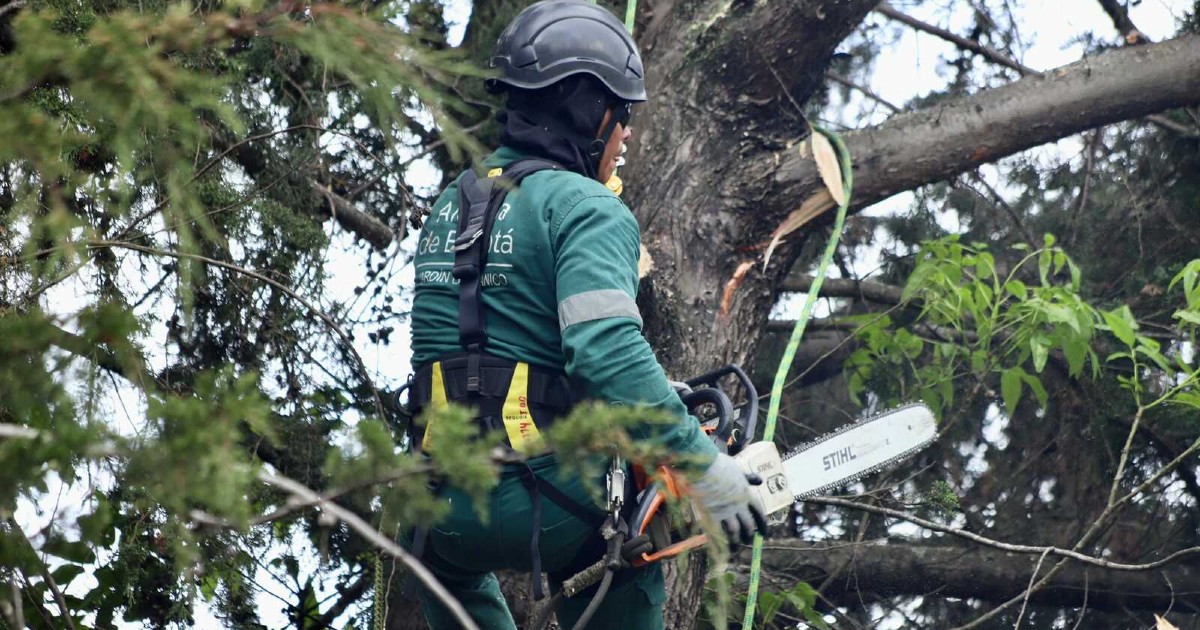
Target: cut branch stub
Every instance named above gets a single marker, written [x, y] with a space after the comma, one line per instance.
[816, 205]
[827, 166]
[739, 276]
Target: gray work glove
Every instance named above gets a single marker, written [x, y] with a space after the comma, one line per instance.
[723, 491]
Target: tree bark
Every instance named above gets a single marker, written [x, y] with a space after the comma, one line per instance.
[875, 571]
[726, 82]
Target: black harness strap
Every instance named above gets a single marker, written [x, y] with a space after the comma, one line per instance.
[536, 486]
[479, 201]
[470, 254]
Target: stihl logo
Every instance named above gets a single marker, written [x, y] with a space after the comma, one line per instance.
[837, 458]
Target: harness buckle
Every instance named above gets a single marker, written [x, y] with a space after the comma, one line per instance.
[467, 240]
[474, 353]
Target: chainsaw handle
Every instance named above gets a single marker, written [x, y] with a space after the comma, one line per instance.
[717, 397]
[648, 506]
[747, 420]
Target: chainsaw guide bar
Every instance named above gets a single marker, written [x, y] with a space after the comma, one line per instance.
[859, 449]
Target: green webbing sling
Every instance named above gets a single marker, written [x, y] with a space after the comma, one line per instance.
[789, 353]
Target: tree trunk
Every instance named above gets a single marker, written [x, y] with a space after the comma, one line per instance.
[711, 173]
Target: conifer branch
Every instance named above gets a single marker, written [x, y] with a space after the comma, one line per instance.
[333, 326]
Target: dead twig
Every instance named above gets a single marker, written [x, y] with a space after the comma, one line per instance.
[994, 56]
[67, 620]
[866, 91]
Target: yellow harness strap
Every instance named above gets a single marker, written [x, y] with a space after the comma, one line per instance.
[437, 401]
[523, 434]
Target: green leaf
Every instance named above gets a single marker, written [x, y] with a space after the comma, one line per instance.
[1076, 275]
[72, 550]
[1191, 399]
[1044, 260]
[1076, 353]
[1059, 314]
[1149, 348]
[1048, 240]
[1118, 322]
[1039, 391]
[1060, 259]
[1188, 275]
[1039, 346]
[768, 605]
[64, 574]
[1017, 289]
[1190, 317]
[1010, 387]
[208, 587]
[946, 391]
[985, 266]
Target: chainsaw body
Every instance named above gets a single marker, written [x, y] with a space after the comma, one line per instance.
[834, 459]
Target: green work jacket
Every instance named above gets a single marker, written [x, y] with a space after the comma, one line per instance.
[558, 292]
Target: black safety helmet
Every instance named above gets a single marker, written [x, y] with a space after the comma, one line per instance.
[553, 39]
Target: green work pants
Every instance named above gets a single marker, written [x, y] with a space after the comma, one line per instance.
[463, 551]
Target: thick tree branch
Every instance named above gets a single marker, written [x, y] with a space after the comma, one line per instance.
[845, 288]
[348, 595]
[1003, 546]
[1118, 13]
[789, 43]
[900, 569]
[939, 142]
[357, 222]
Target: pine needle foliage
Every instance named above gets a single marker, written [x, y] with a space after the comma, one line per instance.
[172, 177]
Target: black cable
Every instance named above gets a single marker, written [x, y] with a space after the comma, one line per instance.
[596, 599]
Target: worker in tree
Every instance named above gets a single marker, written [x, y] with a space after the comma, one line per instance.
[526, 273]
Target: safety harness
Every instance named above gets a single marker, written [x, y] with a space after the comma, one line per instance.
[509, 396]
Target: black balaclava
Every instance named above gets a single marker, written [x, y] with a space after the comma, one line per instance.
[559, 122]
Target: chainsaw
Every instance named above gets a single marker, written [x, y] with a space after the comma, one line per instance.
[832, 460]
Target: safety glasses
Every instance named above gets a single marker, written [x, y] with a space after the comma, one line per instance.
[623, 113]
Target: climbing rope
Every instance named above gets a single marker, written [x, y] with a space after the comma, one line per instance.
[630, 11]
[379, 605]
[789, 353]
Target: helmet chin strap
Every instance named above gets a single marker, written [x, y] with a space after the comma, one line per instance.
[595, 152]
